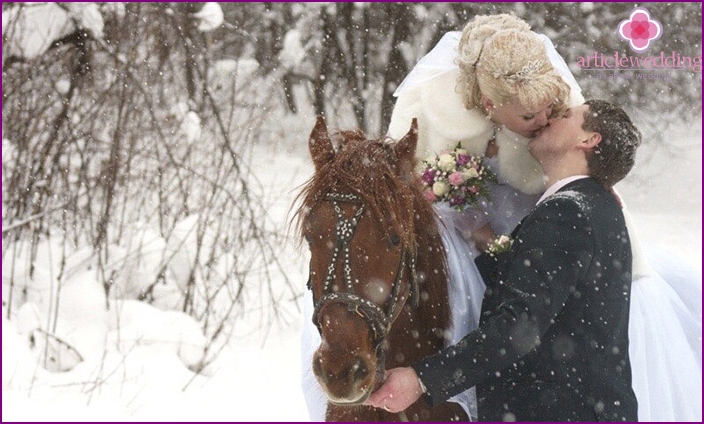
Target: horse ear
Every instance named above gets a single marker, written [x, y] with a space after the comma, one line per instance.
[406, 149]
[320, 145]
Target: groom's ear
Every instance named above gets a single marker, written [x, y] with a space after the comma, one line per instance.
[593, 139]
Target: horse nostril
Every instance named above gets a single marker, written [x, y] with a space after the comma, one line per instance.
[359, 370]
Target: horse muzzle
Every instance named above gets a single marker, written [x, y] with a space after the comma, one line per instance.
[346, 379]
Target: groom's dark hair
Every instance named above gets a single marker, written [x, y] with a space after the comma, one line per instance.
[613, 158]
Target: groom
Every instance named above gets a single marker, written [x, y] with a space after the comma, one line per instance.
[552, 344]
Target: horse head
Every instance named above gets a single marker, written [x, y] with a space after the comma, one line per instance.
[359, 218]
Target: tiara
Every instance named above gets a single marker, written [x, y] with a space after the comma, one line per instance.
[524, 73]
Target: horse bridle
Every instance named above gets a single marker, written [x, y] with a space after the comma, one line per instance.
[377, 319]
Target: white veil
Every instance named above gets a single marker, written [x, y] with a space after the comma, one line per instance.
[442, 59]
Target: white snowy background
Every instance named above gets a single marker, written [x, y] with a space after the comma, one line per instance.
[136, 356]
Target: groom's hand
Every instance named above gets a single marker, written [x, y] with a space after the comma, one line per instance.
[400, 390]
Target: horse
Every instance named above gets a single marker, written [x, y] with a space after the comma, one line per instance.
[377, 270]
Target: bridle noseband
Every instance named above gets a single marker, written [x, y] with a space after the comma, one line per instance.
[378, 320]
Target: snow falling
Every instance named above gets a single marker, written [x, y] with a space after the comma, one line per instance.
[151, 155]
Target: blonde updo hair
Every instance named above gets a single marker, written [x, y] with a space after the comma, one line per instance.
[501, 58]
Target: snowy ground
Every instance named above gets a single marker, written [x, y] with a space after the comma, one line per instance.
[257, 377]
[136, 357]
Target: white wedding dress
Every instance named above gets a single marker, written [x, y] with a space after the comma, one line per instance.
[666, 308]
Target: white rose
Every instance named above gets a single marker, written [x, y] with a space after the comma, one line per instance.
[470, 173]
[446, 162]
[431, 160]
[440, 188]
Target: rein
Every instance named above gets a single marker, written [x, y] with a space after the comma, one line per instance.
[379, 321]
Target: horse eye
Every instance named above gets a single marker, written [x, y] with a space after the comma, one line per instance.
[395, 239]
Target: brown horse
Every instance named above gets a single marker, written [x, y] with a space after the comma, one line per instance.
[377, 271]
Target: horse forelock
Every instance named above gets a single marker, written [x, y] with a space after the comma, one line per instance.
[369, 169]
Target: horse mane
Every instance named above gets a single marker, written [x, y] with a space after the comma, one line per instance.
[370, 169]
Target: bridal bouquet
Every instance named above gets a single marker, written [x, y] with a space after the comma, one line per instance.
[456, 177]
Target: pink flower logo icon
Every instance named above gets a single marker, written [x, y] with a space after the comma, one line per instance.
[639, 29]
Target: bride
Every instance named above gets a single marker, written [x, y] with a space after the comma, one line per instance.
[491, 87]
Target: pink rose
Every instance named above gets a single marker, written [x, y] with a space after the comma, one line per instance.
[456, 178]
[430, 196]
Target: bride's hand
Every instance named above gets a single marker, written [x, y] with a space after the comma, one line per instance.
[482, 237]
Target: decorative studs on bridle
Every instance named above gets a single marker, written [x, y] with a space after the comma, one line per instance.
[378, 320]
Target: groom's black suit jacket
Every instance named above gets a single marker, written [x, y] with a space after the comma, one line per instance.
[552, 343]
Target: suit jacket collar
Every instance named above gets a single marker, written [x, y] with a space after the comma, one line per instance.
[560, 185]
[565, 184]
